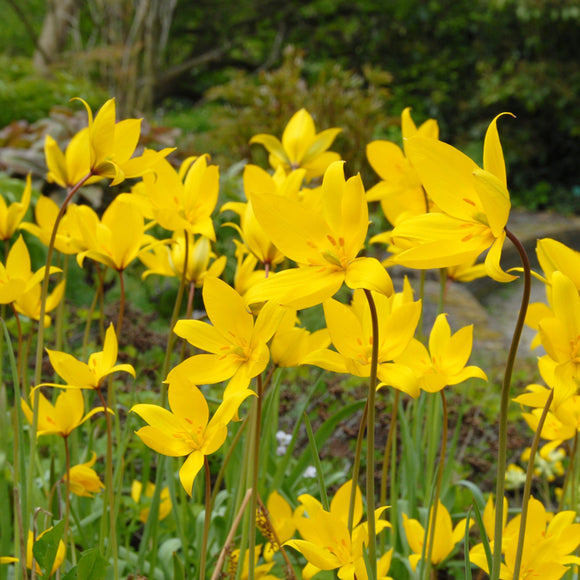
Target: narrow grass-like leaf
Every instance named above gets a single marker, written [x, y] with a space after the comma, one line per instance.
[21, 478]
[322, 434]
[283, 463]
[478, 499]
[178, 569]
[317, 464]
[467, 570]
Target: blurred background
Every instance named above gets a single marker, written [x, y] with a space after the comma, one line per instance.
[209, 74]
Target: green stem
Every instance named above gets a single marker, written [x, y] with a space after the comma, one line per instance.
[121, 304]
[112, 544]
[225, 462]
[442, 290]
[528, 486]
[431, 525]
[44, 289]
[90, 314]
[356, 466]
[19, 356]
[207, 519]
[387, 456]
[504, 403]
[59, 323]
[255, 473]
[67, 491]
[372, 547]
[569, 472]
[40, 340]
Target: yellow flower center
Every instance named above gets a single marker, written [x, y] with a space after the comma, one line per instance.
[192, 436]
[336, 254]
[574, 348]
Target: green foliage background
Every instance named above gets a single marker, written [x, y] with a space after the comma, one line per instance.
[460, 61]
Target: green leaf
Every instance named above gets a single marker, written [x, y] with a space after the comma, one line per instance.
[46, 547]
[467, 570]
[322, 434]
[178, 569]
[71, 574]
[92, 566]
[316, 460]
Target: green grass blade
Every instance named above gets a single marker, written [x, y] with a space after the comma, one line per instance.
[317, 464]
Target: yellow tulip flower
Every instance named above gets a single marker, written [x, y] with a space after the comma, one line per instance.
[282, 518]
[181, 200]
[63, 417]
[186, 430]
[291, 344]
[261, 572]
[253, 235]
[445, 538]
[236, 342]
[555, 256]
[324, 243]
[69, 238]
[474, 206]
[79, 375]
[29, 302]
[560, 333]
[11, 216]
[350, 329]
[167, 260]
[164, 500]
[444, 363]
[118, 238]
[83, 479]
[104, 149]
[400, 190]
[301, 146]
[327, 544]
[17, 278]
[549, 544]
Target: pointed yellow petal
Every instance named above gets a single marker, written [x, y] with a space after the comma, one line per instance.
[273, 146]
[299, 287]
[189, 470]
[188, 404]
[205, 369]
[446, 174]
[368, 273]
[226, 309]
[72, 371]
[202, 335]
[297, 136]
[492, 262]
[493, 160]
[495, 200]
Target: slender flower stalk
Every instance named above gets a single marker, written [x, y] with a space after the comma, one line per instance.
[40, 336]
[371, 437]
[112, 546]
[504, 402]
[387, 455]
[207, 519]
[44, 291]
[528, 486]
[255, 470]
[436, 495]
[356, 466]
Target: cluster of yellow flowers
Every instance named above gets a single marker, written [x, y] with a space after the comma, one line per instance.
[303, 233]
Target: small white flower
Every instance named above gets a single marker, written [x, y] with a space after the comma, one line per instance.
[283, 438]
[309, 472]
